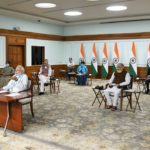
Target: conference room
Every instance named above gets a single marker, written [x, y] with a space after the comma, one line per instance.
[67, 115]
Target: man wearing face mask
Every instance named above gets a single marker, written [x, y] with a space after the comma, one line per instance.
[6, 73]
[119, 78]
[18, 82]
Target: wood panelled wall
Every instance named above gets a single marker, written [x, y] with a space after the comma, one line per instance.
[19, 38]
[35, 68]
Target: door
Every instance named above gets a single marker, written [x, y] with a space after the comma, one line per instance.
[37, 55]
[16, 55]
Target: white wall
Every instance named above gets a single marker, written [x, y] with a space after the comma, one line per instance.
[108, 28]
[53, 50]
[30, 26]
[72, 49]
[59, 52]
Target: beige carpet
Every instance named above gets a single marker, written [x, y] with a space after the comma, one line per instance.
[68, 121]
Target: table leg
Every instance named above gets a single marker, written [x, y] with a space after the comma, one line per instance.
[7, 120]
[137, 95]
[96, 97]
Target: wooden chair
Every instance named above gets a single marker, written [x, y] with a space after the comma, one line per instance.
[30, 99]
[54, 84]
[35, 80]
[63, 74]
[99, 96]
[126, 94]
[89, 79]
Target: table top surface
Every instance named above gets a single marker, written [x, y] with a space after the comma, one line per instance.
[12, 97]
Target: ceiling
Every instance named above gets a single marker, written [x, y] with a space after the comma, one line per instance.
[93, 12]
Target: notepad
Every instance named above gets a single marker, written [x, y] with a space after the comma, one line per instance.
[3, 91]
[14, 94]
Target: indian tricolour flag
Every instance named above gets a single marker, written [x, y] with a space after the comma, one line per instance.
[115, 57]
[104, 62]
[148, 58]
[82, 54]
[132, 63]
[94, 66]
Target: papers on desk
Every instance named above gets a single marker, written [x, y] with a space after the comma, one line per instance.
[14, 94]
[130, 90]
[3, 91]
[114, 84]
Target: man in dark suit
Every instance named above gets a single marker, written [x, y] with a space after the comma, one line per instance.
[147, 81]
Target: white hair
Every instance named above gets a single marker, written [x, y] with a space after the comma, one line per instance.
[21, 68]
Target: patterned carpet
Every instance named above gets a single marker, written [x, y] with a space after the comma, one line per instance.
[68, 121]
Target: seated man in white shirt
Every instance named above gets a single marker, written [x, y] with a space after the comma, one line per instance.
[70, 67]
[119, 78]
[147, 81]
[44, 75]
[18, 82]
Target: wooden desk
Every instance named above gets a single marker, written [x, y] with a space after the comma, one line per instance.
[11, 111]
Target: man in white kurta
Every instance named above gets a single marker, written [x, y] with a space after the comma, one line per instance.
[119, 78]
[18, 82]
[70, 67]
[44, 75]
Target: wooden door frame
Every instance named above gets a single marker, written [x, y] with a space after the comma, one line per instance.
[14, 44]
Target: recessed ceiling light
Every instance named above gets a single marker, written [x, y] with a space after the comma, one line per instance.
[116, 8]
[45, 5]
[73, 13]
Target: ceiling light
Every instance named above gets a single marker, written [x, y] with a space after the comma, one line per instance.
[45, 5]
[116, 8]
[73, 13]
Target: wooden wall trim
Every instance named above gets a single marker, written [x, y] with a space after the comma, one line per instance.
[33, 35]
[142, 72]
[141, 35]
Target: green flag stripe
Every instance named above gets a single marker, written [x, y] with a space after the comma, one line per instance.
[94, 72]
[104, 72]
[113, 68]
[132, 71]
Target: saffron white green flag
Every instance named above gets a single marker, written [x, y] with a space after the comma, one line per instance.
[82, 54]
[132, 63]
[104, 62]
[115, 57]
[94, 65]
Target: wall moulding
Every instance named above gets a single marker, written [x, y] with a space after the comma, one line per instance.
[141, 35]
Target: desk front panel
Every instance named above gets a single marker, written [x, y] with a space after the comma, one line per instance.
[15, 123]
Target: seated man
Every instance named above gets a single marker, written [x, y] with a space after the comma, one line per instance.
[18, 82]
[147, 81]
[44, 75]
[6, 73]
[82, 71]
[70, 67]
[118, 79]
